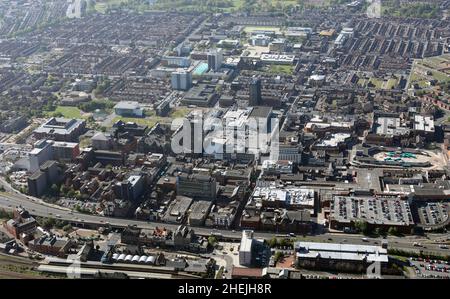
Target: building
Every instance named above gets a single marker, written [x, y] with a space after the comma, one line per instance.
[245, 249]
[40, 180]
[424, 127]
[181, 80]
[132, 188]
[176, 61]
[197, 186]
[60, 129]
[253, 252]
[255, 92]
[13, 124]
[339, 257]
[248, 273]
[65, 151]
[51, 245]
[163, 108]
[379, 212]
[177, 210]
[41, 153]
[260, 40]
[128, 109]
[345, 34]
[45, 150]
[198, 212]
[215, 60]
[288, 197]
[102, 141]
[277, 59]
[22, 223]
[203, 95]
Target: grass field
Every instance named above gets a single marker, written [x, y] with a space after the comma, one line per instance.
[225, 6]
[391, 83]
[67, 112]
[424, 70]
[101, 6]
[377, 82]
[180, 112]
[281, 69]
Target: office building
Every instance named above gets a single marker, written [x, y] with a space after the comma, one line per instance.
[60, 129]
[65, 151]
[44, 177]
[132, 188]
[253, 252]
[41, 153]
[215, 60]
[197, 186]
[255, 92]
[181, 80]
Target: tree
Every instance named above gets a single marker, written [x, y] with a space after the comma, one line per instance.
[212, 241]
[67, 227]
[278, 256]
[379, 231]
[285, 242]
[273, 242]
[393, 231]
[48, 223]
[362, 226]
[54, 190]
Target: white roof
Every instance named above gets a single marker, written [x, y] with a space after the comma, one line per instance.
[246, 241]
[341, 251]
[127, 105]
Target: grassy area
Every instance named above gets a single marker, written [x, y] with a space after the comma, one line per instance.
[149, 121]
[391, 83]
[102, 6]
[377, 82]
[225, 5]
[400, 258]
[67, 112]
[281, 69]
[180, 112]
[427, 69]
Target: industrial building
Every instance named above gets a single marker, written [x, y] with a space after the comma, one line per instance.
[339, 257]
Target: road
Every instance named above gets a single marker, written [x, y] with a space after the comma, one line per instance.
[37, 208]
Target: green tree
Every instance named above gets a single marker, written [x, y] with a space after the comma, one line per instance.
[54, 190]
[67, 227]
[273, 242]
[212, 241]
[362, 226]
[278, 256]
[48, 223]
[393, 231]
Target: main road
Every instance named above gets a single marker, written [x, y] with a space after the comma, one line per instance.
[38, 208]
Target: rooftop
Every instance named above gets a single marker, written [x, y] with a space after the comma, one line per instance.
[341, 251]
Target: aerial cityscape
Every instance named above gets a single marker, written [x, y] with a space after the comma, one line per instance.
[225, 139]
